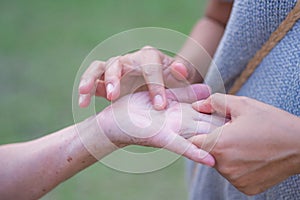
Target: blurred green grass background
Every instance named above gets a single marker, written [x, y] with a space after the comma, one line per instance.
[42, 44]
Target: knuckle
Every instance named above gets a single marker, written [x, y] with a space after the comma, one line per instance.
[226, 170]
[148, 47]
[156, 89]
[97, 64]
[219, 149]
[111, 60]
[217, 152]
[151, 69]
[149, 50]
[243, 100]
[215, 96]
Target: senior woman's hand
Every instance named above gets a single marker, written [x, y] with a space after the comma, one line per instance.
[35, 167]
[132, 120]
[258, 148]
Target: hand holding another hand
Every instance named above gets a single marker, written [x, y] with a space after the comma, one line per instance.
[258, 148]
[132, 120]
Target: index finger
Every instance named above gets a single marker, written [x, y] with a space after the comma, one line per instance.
[151, 65]
[88, 84]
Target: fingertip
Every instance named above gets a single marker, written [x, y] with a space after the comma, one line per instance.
[203, 106]
[179, 71]
[109, 91]
[202, 91]
[207, 159]
[83, 101]
[200, 156]
[197, 105]
[112, 91]
[159, 102]
[85, 86]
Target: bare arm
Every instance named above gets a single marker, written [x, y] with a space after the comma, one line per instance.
[207, 32]
[31, 169]
[157, 70]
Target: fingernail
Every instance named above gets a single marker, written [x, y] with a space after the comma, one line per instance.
[81, 98]
[179, 71]
[158, 100]
[197, 103]
[82, 83]
[207, 158]
[109, 90]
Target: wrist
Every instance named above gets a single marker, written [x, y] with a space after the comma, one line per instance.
[93, 138]
[111, 130]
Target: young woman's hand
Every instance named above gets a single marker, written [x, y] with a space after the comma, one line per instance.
[258, 148]
[132, 120]
[130, 73]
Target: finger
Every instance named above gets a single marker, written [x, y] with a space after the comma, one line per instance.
[197, 128]
[130, 64]
[184, 147]
[219, 103]
[179, 70]
[101, 90]
[112, 78]
[207, 142]
[210, 118]
[84, 100]
[89, 77]
[153, 75]
[189, 94]
[88, 83]
[183, 70]
[155, 84]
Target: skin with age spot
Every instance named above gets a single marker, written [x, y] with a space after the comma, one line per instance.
[59, 156]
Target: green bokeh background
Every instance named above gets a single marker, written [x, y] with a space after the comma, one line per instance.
[42, 44]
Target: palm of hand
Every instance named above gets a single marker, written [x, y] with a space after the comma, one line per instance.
[136, 122]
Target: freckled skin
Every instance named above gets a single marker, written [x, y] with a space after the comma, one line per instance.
[56, 157]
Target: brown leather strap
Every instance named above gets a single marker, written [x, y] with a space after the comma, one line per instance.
[274, 39]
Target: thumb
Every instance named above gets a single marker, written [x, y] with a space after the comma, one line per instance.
[184, 147]
[225, 105]
[179, 70]
[206, 142]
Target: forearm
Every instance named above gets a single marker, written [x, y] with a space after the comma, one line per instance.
[205, 38]
[30, 170]
[200, 48]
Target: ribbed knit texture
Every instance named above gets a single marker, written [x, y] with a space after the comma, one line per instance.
[276, 81]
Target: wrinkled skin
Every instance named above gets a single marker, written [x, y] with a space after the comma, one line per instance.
[145, 69]
[165, 129]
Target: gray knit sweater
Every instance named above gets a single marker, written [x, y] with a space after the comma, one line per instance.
[276, 82]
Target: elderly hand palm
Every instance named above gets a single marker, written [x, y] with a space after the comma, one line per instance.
[136, 122]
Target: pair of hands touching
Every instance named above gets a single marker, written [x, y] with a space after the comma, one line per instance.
[236, 135]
